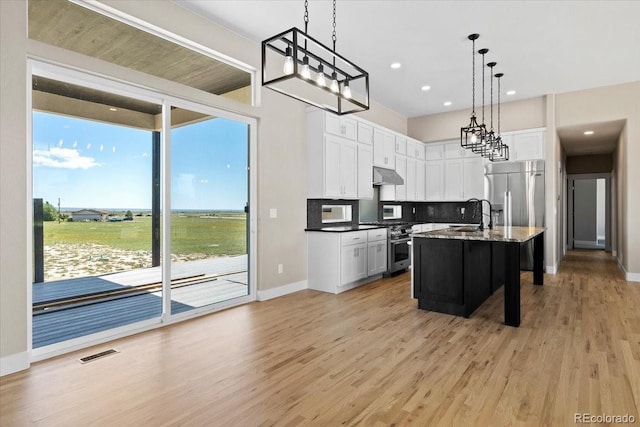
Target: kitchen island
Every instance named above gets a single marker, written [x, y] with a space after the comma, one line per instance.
[455, 268]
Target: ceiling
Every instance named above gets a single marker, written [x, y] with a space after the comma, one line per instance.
[541, 47]
[76, 28]
[603, 140]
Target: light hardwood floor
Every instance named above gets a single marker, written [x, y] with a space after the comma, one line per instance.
[366, 357]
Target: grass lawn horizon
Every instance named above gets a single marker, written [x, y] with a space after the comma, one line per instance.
[215, 235]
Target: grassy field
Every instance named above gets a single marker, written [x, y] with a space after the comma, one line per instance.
[216, 235]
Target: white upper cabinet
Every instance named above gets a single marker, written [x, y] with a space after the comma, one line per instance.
[340, 168]
[365, 133]
[434, 180]
[365, 171]
[420, 181]
[420, 151]
[401, 145]
[453, 150]
[526, 145]
[473, 185]
[434, 151]
[341, 126]
[410, 181]
[384, 149]
[453, 180]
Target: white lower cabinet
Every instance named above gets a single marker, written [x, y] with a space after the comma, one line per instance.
[341, 261]
[353, 265]
[377, 251]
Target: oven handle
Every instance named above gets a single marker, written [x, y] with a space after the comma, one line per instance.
[396, 242]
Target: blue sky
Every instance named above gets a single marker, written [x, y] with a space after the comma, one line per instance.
[89, 164]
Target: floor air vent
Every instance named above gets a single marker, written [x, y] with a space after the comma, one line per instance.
[93, 357]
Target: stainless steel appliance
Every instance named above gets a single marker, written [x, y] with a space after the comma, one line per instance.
[398, 249]
[516, 193]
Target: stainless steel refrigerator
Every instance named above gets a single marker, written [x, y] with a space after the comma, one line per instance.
[516, 193]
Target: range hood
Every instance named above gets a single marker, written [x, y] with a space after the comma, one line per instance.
[386, 176]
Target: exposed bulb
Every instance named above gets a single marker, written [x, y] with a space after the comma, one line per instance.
[334, 83]
[288, 62]
[346, 90]
[320, 80]
[306, 72]
[474, 138]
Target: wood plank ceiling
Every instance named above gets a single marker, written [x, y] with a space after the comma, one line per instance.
[69, 26]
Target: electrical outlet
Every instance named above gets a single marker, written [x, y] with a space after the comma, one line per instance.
[273, 213]
[462, 212]
[280, 268]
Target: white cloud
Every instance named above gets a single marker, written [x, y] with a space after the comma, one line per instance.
[60, 143]
[101, 147]
[64, 158]
[88, 146]
[75, 144]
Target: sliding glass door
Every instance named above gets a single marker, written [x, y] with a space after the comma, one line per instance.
[209, 199]
[140, 210]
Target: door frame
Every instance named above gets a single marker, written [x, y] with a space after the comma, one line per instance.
[106, 83]
[608, 213]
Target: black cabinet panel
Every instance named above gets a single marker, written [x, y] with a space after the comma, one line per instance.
[451, 276]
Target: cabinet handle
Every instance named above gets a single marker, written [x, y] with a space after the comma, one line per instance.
[356, 238]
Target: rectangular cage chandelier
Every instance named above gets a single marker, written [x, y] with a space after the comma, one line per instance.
[297, 65]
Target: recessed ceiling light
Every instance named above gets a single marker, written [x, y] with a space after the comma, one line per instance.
[396, 65]
[447, 103]
[511, 92]
[588, 132]
[425, 88]
[113, 109]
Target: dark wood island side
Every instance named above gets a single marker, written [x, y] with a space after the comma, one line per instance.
[454, 270]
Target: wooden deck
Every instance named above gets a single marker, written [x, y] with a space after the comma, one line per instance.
[220, 279]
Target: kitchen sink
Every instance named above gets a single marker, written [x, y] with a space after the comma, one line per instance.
[465, 228]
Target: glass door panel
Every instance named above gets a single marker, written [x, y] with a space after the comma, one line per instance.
[209, 199]
[96, 265]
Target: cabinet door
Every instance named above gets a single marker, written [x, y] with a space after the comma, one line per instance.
[434, 151]
[365, 133]
[332, 172]
[401, 168]
[384, 149]
[420, 181]
[453, 179]
[353, 263]
[434, 180]
[365, 171]
[401, 145]
[341, 126]
[411, 148]
[420, 151]
[528, 146]
[410, 181]
[453, 150]
[349, 169]
[473, 177]
[377, 257]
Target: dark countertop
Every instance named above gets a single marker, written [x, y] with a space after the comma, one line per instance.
[498, 234]
[345, 228]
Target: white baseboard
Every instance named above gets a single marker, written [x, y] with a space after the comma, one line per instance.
[586, 244]
[628, 276]
[14, 363]
[551, 269]
[268, 294]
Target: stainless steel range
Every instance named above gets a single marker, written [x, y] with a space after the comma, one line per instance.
[398, 249]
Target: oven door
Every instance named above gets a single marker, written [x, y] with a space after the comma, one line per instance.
[399, 257]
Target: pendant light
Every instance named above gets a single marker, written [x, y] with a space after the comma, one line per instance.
[481, 145]
[294, 64]
[501, 150]
[473, 133]
[491, 135]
